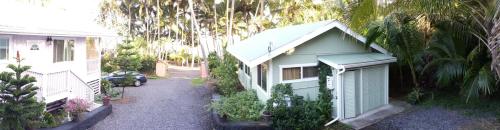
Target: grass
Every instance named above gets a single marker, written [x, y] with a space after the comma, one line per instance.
[197, 81]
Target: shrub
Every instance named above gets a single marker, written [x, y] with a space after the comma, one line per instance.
[106, 65]
[148, 64]
[227, 78]
[213, 61]
[415, 96]
[242, 106]
[301, 114]
[77, 105]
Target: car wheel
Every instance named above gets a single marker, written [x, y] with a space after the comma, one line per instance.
[137, 83]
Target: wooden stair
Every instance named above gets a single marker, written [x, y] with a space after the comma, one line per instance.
[56, 105]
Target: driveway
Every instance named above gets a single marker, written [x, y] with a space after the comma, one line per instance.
[162, 104]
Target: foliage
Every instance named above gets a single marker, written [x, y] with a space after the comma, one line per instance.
[301, 114]
[127, 60]
[242, 106]
[213, 61]
[325, 95]
[148, 64]
[77, 105]
[49, 121]
[225, 73]
[415, 96]
[20, 108]
[106, 65]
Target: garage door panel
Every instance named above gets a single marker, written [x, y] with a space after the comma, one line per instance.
[373, 87]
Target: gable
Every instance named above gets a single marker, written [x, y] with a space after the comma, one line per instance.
[333, 41]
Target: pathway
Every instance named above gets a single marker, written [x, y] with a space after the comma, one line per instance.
[161, 104]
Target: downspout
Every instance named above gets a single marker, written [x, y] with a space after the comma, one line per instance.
[339, 72]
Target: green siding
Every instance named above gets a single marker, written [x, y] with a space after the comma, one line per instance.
[373, 87]
[331, 42]
[349, 80]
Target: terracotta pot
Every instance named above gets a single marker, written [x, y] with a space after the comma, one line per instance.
[106, 101]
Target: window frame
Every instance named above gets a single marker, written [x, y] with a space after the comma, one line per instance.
[9, 47]
[65, 44]
[262, 85]
[301, 66]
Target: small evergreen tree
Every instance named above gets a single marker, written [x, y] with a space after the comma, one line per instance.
[20, 110]
[127, 60]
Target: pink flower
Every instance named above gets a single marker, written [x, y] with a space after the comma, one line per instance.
[77, 105]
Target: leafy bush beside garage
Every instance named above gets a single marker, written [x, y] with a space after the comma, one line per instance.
[242, 106]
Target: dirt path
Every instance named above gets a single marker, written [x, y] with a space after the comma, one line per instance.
[162, 104]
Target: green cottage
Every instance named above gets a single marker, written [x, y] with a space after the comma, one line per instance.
[291, 54]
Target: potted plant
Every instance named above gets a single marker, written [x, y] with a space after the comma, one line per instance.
[106, 100]
[76, 108]
[266, 116]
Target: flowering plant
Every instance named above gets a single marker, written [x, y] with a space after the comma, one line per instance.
[76, 105]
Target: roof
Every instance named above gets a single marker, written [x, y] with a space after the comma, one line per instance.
[271, 43]
[24, 19]
[356, 60]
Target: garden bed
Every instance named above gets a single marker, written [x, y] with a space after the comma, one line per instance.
[91, 118]
[222, 124]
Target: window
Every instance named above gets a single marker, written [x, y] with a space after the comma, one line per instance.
[92, 48]
[240, 65]
[247, 70]
[4, 48]
[297, 73]
[291, 73]
[63, 50]
[262, 76]
[310, 72]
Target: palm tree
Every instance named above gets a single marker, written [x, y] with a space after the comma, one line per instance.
[398, 33]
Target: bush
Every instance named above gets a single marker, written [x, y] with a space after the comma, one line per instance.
[148, 64]
[213, 61]
[301, 114]
[415, 96]
[227, 78]
[106, 65]
[242, 106]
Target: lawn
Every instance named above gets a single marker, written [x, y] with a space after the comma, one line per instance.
[198, 81]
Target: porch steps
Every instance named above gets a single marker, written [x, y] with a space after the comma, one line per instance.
[56, 105]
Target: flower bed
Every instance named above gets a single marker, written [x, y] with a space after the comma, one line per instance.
[89, 120]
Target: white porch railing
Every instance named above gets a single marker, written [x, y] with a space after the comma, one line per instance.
[58, 85]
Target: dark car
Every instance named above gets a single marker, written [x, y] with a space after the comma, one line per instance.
[116, 78]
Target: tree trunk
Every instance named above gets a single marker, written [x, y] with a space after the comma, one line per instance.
[231, 23]
[199, 35]
[192, 39]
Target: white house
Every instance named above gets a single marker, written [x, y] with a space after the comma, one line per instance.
[63, 50]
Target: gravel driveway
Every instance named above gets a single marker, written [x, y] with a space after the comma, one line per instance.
[424, 118]
[162, 104]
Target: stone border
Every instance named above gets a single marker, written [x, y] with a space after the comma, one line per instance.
[90, 120]
[222, 124]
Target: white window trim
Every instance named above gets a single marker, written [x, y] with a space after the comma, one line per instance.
[302, 79]
[267, 79]
[9, 47]
[64, 39]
